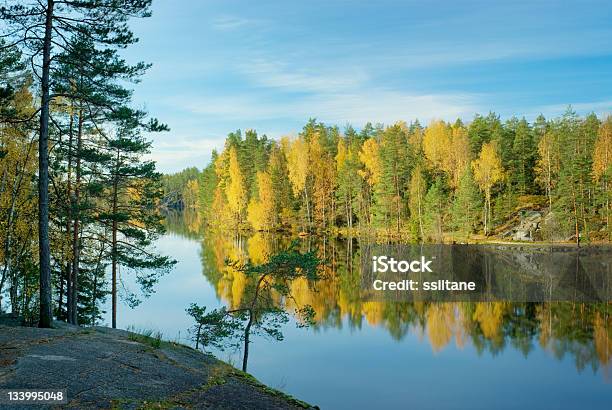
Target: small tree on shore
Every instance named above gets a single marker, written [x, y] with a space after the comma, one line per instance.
[263, 311]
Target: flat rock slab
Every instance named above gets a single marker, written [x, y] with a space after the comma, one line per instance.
[103, 368]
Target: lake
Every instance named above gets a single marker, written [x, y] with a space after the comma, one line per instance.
[385, 354]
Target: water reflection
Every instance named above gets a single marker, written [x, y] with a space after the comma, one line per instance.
[580, 331]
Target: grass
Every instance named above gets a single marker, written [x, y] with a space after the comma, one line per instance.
[145, 336]
[218, 375]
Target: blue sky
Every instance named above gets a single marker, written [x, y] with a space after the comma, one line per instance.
[224, 65]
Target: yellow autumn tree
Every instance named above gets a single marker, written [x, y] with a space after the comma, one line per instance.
[297, 155]
[235, 190]
[18, 164]
[459, 154]
[602, 165]
[323, 172]
[370, 158]
[447, 149]
[260, 212]
[341, 155]
[488, 171]
[191, 193]
[436, 144]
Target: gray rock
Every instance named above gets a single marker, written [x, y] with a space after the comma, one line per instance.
[102, 368]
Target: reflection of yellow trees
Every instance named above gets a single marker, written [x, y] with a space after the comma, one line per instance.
[544, 316]
[259, 248]
[440, 324]
[322, 298]
[238, 284]
[602, 333]
[489, 316]
[337, 298]
[373, 312]
[231, 283]
[193, 221]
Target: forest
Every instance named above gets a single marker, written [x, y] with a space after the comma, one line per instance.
[72, 153]
[436, 183]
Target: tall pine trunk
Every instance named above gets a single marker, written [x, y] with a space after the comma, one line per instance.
[44, 251]
[114, 245]
[67, 272]
[76, 226]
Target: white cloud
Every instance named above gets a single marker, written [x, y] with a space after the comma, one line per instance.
[601, 108]
[356, 107]
[276, 74]
[387, 106]
[180, 153]
[336, 96]
[226, 23]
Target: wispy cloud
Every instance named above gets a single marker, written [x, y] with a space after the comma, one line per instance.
[276, 74]
[601, 108]
[226, 23]
[355, 107]
[173, 155]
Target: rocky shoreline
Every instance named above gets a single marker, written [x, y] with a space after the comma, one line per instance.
[103, 368]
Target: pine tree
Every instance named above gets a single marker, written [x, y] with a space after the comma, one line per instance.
[394, 176]
[418, 191]
[576, 145]
[208, 185]
[130, 214]
[482, 130]
[40, 28]
[523, 158]
[349, 184]
[466, 204]
[281, 187]
[436, 203]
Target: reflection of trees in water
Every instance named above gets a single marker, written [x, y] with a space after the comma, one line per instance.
[187, 223]
[581, 330]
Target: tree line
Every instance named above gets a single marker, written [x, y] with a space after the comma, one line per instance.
[71, 157]
[439, 182]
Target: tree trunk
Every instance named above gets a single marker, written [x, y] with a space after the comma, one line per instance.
[247, 335]
[198, 336]
[398, 204]
[114, 258]
[487, 220]
[75, 229]
[46, 315]
[420, 211]
[94, 293]
[69, 208]
[114, 246]
[607, 208]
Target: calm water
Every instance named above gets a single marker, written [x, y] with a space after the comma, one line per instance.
[392, 355]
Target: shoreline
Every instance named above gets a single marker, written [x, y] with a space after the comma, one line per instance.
[110, 368]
